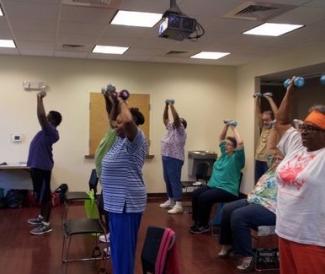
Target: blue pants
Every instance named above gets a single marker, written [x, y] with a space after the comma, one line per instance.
[172, 169]
[260, 168]
[124, 229]
[238, 218]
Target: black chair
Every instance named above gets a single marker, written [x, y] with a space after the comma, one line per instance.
[151, 248]
[80, 196]
[203, 172]
[91, 228]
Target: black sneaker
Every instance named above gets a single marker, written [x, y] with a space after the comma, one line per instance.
[200, 229]
[35, 221]
[41, 229]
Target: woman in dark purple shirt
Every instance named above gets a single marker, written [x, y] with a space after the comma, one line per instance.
[40, 160]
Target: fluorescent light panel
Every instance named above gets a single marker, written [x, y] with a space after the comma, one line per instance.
[214, 55]
[109, 49]
[272, 29]
[135, 18]
[7, 43]
[1, 12]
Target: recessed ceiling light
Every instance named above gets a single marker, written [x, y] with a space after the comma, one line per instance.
[214, 55]
[7, 43]
[109, 49]
[272, 29]
[1, 12]
[135, 18]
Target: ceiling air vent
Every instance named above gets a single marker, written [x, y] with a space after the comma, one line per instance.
[92, 3]
[175, 52]
[72, 46]
[259, 11]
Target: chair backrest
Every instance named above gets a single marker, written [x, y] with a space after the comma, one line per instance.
[93, 181]
[202, 171]
[155, 249]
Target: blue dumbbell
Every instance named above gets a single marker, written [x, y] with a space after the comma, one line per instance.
[298, 82]
[322, 79]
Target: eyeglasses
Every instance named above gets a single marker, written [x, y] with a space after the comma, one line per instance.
[229, 144]
[309, 128]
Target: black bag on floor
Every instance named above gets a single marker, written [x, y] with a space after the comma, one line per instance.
[15, 198]
[62, 190]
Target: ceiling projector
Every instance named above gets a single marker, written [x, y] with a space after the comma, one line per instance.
[178, 26]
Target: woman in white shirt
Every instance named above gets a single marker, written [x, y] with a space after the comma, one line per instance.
[301, 190]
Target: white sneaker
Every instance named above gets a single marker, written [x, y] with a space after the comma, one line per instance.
[168, 204]
[247, 264]
[224, 251]
[104, 239]
[177, 209]
[107, 252]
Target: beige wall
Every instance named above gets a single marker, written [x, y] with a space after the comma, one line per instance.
[246, 87]
[204, 96]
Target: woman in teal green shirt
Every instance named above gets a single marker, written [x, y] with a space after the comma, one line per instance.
[223, 185]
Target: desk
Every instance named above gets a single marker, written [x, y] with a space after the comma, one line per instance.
[15, 176]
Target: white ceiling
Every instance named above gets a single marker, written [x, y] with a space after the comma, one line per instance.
[41, 27]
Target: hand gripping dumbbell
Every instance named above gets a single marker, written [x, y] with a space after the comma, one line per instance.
[257, 94]
[109, 89]
[124, 94]
[170, 101]
[230, 123]
[298, 82]
[267, 94]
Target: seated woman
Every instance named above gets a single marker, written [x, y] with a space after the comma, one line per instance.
[223, 185]
[258, 209]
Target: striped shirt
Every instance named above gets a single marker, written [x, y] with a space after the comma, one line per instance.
[122, 180]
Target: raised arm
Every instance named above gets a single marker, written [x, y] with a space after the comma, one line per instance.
[223, 133]
[239, 140]
[258, 111]
[111, 105]
[165, 115]
[283, 114]
[125, 120]
[41, 115]
[268, 97]
[177, 121]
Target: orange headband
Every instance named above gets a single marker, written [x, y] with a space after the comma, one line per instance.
[316, 118]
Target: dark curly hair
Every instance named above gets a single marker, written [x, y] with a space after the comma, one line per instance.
[55, 117]
[138, 117]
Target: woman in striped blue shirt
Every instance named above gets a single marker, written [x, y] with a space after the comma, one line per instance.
[123, 187]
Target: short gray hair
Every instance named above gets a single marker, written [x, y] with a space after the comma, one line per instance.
[318, 108]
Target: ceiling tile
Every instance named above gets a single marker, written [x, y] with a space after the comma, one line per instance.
[86, 14]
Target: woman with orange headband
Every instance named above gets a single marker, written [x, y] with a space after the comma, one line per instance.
[300, 212]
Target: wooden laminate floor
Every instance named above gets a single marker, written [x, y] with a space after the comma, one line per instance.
[22, 253]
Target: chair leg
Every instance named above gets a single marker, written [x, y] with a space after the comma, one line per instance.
[63, 250]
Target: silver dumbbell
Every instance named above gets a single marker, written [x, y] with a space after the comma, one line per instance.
[230, 123]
